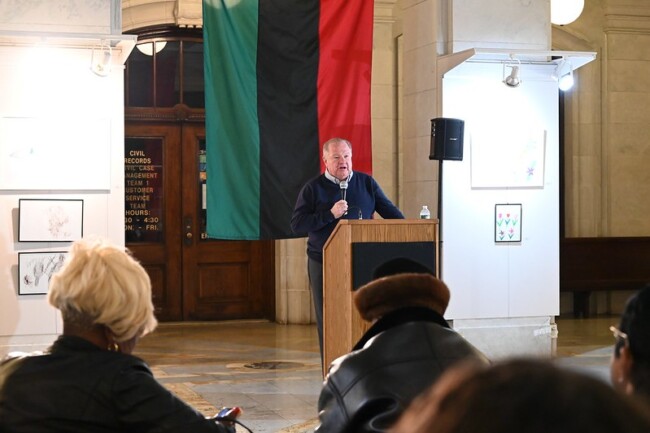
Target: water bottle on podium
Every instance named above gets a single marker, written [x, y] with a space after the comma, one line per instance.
[425, 213]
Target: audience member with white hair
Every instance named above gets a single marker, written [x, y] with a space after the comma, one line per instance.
[88, 380]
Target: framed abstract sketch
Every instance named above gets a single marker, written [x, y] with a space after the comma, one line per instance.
[44, 153]
[513, 160]
[35, 271]
[507, 223]
[50, 220]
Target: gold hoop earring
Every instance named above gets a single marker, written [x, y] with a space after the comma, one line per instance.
[113, 347]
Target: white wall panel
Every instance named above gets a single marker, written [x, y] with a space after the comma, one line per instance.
[490, 279]
[70, 101]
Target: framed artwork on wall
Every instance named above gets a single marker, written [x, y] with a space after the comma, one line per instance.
[511, 160]
[35, 271]
[507, 223]
[44, 153]
[41, 220]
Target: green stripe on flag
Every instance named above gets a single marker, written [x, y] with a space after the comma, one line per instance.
[232, 132]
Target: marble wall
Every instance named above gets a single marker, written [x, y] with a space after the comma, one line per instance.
[626, 136]
[607, 119]
[607, 187]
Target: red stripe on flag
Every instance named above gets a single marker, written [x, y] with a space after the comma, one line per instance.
[343, 85]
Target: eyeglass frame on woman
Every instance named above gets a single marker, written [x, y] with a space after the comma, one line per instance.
[618, 334]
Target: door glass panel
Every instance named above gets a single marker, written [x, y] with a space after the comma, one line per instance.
[193, 91]
[139, 72]
[143, 190]
[168, 75]
[203, 176]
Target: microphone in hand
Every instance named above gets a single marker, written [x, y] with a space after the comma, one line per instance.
[344, 188]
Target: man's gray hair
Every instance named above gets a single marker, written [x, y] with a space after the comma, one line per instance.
[326, 145]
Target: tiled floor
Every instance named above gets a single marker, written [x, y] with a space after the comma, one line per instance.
[273, 371]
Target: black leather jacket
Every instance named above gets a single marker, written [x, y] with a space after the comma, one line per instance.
[77, 387]
[400, 356]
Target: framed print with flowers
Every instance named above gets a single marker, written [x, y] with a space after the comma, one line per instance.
[507, 223]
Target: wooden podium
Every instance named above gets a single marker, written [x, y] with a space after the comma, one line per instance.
[351, 253]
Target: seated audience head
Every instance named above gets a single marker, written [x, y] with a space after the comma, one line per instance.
[630, 365]
[104, 295]
[401, 283]
[521, 395]
[407, 348]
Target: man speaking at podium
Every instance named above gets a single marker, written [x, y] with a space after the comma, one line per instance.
[335, 194]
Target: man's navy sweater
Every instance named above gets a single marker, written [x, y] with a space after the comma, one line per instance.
[312, 214]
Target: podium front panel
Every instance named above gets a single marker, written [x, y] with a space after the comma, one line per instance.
[367, 256]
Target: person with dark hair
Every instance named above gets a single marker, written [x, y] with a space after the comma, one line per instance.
[630, 364]
[405, 350]
[522, 395]
[338, 193]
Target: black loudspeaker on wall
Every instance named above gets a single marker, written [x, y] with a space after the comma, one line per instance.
[447, 139]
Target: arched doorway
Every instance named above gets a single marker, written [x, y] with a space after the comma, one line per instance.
[193, 277]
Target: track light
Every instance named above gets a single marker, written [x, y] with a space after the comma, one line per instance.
[564, 75]
[100, 59]
[512, 80]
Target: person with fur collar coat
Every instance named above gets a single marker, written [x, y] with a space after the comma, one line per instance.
[407, 348]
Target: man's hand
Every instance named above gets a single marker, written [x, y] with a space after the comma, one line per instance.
[339, 209]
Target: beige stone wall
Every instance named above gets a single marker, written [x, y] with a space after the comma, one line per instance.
[608, 130]
[384, 99]
[583, 166]
[419, 176]
[293, 302]
[608, 121]
[627, 135]
[137, 14]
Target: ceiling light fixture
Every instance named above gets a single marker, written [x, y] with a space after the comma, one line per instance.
[147, 48]
[566, 11]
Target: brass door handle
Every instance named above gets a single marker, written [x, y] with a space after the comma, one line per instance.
[188, 231]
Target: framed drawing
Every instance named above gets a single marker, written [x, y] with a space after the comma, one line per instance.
[507, 223]
[44, 153]
[50, 220]
[35, 271]
[512, 160]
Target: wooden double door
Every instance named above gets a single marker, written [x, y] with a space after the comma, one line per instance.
[193, 277]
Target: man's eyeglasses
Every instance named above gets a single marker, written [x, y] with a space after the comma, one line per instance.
[618, 334]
